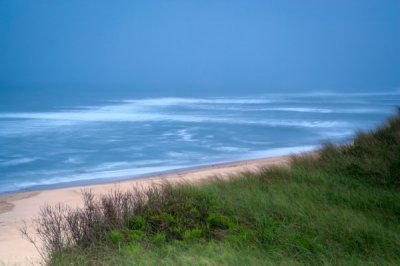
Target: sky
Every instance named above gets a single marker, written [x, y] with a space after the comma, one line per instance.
[186, 47]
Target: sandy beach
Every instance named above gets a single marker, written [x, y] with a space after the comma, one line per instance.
[15, 208]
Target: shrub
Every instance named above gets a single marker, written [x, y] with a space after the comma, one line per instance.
[159, 239]
[136, 223]
[217, 221]
[115, 236]
[192, 234]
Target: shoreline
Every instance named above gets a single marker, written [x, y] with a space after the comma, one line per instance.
[20, 206]
[122, 179]
[276, 152]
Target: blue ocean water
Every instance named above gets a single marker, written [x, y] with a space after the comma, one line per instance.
[117, 139]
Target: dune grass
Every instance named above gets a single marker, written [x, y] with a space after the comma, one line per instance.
[341, 206]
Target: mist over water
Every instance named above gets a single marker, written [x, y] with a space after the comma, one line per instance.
[122, 138]
[95, 91]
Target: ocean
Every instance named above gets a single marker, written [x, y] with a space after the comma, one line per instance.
[115, 139]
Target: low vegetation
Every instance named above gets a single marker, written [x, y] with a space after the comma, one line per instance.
[341, 206]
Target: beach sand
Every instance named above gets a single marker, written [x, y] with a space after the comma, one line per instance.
[19, 207]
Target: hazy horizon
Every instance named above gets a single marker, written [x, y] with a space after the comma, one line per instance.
[160, 48]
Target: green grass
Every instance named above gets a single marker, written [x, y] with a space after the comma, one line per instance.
[340, 208]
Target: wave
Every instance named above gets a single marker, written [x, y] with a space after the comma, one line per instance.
[137, 117]
[395, 92]
[328, 111]
[74, 160]
[230, 149]
[125, 164]
[185, 135]
[186, 101]
[28, 126]
[279, 151]
[17, 161]
[336, 134]
[154, 110]
[98, 176]
[257, 108]
[299, 109]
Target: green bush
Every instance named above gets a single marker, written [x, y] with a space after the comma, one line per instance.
[115, 236]
[159, 239]
[136, 235]
[193, 234]
[217, 221]
[136, 223]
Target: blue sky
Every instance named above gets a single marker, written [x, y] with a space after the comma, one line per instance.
[174, 47]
